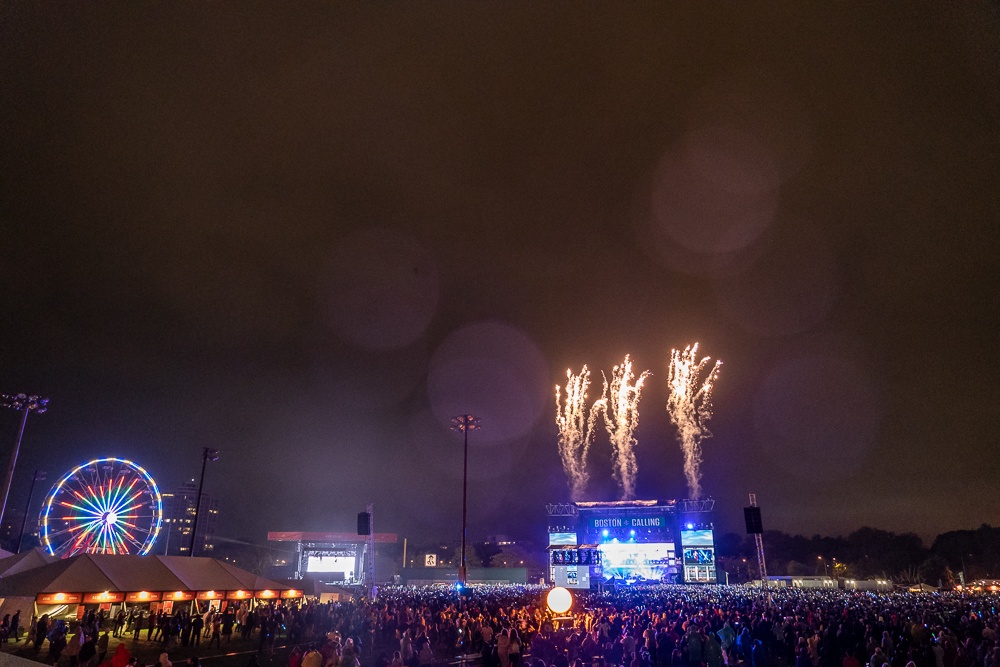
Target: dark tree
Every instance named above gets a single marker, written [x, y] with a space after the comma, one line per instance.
[974, 552]
[485, 552]
[935, 571]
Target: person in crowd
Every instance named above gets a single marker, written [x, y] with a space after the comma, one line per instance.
[503, 647]
[138, 621]
[73, 647]
[712, 650]
[312, 657]
[514, 656]
[197, 627]
[88, 651]
[57, 642]
[119, 624]
[41, 632]
[102, 647]
[121, 656]
[206, 621]
[228, 620]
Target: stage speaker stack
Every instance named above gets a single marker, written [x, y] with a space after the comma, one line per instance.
[751, 515]
[365, 523]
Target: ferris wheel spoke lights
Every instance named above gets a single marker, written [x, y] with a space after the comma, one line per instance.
[105, 506]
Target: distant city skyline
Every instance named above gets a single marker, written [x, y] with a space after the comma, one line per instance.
[179, 508]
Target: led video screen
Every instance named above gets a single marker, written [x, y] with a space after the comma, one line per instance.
[699, 556]
[568, 539]
[698, 551]
[575, 557]
[571, 576]
[697, 538]
[630, 560]
[325, 564]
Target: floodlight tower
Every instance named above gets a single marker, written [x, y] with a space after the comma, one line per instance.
[207, 454]
[37, 477]
[25, 404]
[464, 423]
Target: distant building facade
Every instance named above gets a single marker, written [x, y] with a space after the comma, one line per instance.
[11, 528]
[179, 507]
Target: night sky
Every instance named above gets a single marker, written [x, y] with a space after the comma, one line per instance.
[309, 234]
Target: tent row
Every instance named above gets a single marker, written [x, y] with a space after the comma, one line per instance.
[107, 578]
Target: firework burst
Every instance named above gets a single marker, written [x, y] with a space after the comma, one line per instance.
[690, 408]
[621, 417]
[576, 428]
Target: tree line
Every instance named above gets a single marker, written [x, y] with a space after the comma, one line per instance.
[867, 553]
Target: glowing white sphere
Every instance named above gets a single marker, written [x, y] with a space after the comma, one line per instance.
[559, 600]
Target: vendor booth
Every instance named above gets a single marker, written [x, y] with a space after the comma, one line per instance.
[71, 586]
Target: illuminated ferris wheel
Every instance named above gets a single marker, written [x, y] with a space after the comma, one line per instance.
[105, 506]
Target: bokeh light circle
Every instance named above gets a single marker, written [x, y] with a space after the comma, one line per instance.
[494, 371]
[422, 439]
[818, 411]
[759, 105]
[788, 290]
[697, 212]
[382, 289]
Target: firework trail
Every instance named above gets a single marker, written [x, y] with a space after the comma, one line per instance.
[690, 407]
[576, 428]
[621, 417]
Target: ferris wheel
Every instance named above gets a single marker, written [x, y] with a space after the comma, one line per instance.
[104, 506]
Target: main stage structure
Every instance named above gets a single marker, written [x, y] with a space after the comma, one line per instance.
[630, 541]
[333, 558]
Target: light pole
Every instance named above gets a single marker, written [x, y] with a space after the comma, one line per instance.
[25, 404]
[464, 423]
[166, 546]
[37, 477]
[207, 454]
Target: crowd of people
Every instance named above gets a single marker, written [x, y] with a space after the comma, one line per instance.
[510, 626]
[668, 626]
[83, 645]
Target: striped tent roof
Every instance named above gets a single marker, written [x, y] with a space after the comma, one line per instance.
[14, 563]
[96, 573]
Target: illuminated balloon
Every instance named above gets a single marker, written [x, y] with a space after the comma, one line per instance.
[559, 600]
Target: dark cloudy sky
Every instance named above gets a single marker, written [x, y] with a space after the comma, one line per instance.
[308, 234]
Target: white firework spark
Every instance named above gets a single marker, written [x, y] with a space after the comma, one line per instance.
[576, 428]
[690, 408]
[621, 417]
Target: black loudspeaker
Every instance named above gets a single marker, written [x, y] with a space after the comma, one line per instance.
[364, 523]
[752, 517]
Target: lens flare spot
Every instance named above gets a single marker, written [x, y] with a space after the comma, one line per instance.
[494, 371]
[382, 289]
